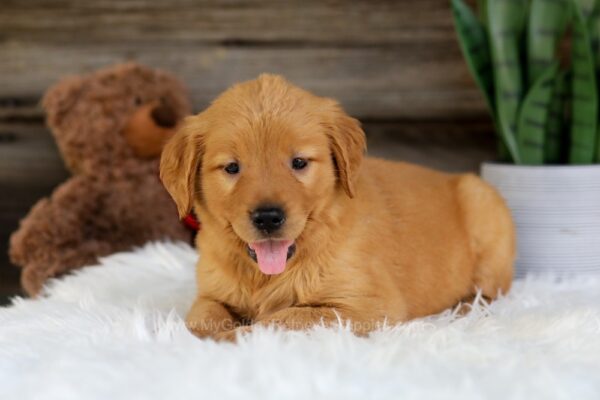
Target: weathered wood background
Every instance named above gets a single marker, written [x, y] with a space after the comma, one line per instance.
[395, 65]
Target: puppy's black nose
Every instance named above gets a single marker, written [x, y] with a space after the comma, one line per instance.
[268, 219]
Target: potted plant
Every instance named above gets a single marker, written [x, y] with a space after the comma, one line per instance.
[535, 62]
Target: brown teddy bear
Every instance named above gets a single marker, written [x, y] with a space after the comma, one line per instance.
[110, 127]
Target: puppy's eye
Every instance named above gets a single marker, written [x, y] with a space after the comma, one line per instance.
[232, 168]
[299, 163]
[137, 101]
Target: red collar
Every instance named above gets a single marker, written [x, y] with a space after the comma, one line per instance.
[191, 222]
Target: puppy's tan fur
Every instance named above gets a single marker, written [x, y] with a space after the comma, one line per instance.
[376, 240]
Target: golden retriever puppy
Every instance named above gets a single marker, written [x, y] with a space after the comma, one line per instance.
[298, 228]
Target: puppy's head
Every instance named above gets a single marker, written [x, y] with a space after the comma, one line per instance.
[263, 162]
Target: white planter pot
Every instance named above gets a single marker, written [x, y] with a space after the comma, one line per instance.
[556, 210]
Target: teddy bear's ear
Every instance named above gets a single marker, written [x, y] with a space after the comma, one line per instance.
[60, 98]
[180, 162]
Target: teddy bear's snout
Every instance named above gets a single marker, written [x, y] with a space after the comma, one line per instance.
[164, 116]
[149, 127]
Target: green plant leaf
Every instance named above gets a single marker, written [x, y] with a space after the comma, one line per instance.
[594, 31]
[482, 11]
[547, 23]
[533, 117]
[586, 7]
[506, 22]
[473, 42]
[555, 126]
[584, 102]
[474, 45]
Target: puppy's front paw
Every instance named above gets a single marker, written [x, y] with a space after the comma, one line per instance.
[199, 330]
[232, 334]
[208, 317]
[208, 328]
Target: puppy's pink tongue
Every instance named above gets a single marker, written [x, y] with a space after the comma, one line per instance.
[271, 255]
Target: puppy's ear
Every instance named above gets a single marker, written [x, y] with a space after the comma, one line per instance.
[180, 163]
[348, 145]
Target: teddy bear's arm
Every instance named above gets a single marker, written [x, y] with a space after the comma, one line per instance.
[54, 237]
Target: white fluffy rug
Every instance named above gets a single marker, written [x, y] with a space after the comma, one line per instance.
[116, 331]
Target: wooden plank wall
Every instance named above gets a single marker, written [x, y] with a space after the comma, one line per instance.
[393, 64]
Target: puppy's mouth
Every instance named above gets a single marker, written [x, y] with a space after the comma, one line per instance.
[271, 255]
